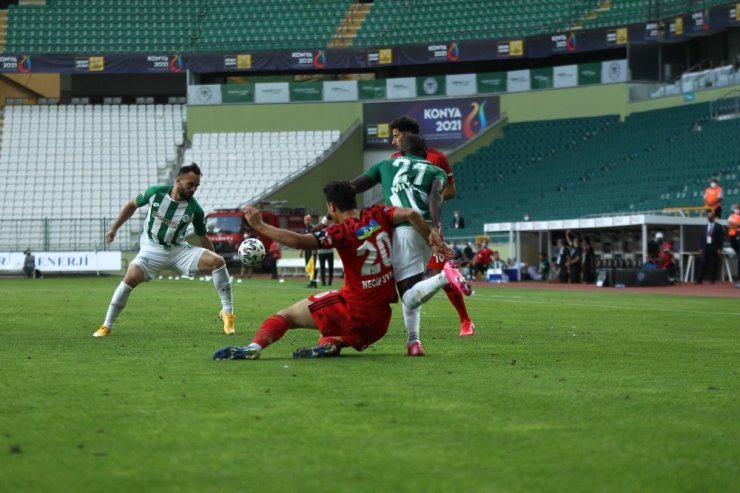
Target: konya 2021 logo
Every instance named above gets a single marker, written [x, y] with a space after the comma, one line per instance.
[453, 52]
[176, 63]
[319, 59]
[475, 121]
[571, 43]
[24, 64]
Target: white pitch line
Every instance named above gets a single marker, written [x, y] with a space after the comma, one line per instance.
[521, 299]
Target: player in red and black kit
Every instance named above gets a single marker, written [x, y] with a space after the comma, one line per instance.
[406, 125]
[359, 313]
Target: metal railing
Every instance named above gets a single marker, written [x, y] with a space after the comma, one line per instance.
[70, 234]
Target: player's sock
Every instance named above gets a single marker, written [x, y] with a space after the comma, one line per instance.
[117, 304]
[222, 281]
[254, 345]
[423, 291]
[412, 321]
[272, 329]
[457, 300]
[337, 341]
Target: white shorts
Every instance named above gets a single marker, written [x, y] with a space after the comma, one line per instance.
[410, 253]
[182, 258]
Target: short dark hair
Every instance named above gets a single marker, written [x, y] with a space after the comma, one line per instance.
[405, 124]
[414, 144]
[341, 194]
[191, 168]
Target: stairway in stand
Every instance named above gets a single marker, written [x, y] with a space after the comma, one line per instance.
[347, 29]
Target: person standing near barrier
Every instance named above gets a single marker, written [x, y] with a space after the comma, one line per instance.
[29, 266]
[713, 196]
[562, 262]
[733, 225]
[711, 243]
[310, 255]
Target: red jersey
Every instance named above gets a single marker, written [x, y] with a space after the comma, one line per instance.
[483, 256]
[438, 159]
[364, 245]
[665, 255]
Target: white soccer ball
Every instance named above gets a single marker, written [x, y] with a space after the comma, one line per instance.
[251, 251]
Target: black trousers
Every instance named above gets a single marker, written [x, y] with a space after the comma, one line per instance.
[708, 265]
[326, 260]
[735, 244]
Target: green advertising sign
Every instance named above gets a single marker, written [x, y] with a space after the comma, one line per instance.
[491, 82]
[541, 78]
[237, 93]
[589, 73]
[306, 91]
[371, 89]
[431, 85]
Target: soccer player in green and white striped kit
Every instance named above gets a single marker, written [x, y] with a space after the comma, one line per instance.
[163, 246]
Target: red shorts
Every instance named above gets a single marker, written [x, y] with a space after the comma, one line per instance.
[436, 263]
[335, 318]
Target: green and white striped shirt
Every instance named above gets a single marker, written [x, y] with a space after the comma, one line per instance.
[407, 181]
[167, 219]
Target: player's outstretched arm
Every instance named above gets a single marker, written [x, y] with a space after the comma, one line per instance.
[284, 236]
[126, 212]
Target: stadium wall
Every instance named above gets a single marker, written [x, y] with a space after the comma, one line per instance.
[29, 86]
[272, 117]
[703, 96]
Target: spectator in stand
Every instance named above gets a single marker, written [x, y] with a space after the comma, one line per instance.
[713, 196]
[562, 261]
[458, 222]
[482, 259]
[589, 261]
[733, 224]
[712, 238]
[575, 259]
[276, 253]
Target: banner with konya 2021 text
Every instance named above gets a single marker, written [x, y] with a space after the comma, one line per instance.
[443, 122]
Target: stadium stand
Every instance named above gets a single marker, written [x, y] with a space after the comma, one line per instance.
[242, 167]
[81, 161]
[577, 167]
[111, 26]
[265, 24]
[395, 23]
[623, 12]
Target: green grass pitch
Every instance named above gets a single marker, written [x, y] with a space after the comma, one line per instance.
[605, 390]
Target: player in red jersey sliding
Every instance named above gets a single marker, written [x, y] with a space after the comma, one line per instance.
[359, 313]
[406, 125]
